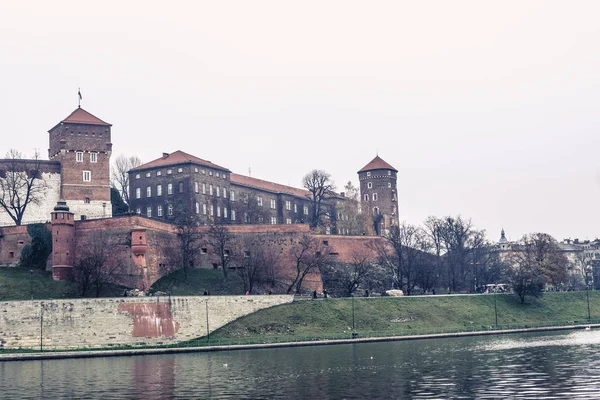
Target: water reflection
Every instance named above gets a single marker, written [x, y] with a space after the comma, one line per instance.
[525, 366]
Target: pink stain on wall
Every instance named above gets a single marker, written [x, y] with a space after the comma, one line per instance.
[150, 319]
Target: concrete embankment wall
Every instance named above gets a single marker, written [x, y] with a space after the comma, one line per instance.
[93, 323]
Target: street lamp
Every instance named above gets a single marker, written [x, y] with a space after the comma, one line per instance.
[495, 306]
[354, 334]
[587, 290]
[31, 283]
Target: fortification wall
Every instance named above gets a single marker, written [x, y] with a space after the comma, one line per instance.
[93, 323]
[12, 241]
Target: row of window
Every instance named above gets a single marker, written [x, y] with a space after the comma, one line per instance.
[212, 191]
[93, 156]
[370, 185]
[180, 170]
[366, 197]
[389, 173]
[180, 187]
[210, 209]
[205, 210]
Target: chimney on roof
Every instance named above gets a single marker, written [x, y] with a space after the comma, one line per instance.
[165, 155]
[342, 194]
[576, 241]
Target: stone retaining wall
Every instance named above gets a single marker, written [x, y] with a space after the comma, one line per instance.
[107, 322]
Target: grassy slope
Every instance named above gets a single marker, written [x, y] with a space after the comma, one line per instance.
[380, 316]
[199, 280]
[15, 284]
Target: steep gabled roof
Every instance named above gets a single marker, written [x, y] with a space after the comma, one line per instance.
[377, 163]
[178, 157]
[80, 116]
[272, 187]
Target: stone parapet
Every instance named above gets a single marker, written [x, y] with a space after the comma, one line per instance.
[127, 321]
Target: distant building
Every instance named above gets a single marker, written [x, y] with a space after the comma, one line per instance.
[583, 257]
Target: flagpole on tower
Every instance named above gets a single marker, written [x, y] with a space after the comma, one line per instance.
[80, 97]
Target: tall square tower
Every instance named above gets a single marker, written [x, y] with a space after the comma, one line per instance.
[82, 144]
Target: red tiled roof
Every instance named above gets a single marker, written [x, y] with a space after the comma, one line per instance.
[178, 157]
[267, 186]
[377, 163]
[80, 116]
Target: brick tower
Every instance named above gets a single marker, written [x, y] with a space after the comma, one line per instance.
[63, 241]
[378, 190]
[81, 143]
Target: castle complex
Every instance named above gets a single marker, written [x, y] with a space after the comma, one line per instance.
[76, 206]
[78, 172]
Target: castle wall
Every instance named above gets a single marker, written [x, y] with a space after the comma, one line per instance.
[12, 241]
[90, 323]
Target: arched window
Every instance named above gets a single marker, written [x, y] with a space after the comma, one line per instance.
[366, 197]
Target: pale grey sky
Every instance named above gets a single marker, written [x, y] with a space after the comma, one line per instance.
[487, 109]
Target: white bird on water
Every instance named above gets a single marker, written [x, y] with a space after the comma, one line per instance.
[225, 365]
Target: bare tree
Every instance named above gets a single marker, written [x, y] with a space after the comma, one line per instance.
[350, 218]
[21, 184]
[583, 265]
[222, 242]
[321, 188]
[98, 263]
[460, 240]
[537, 260]
[348, 277]
[403, 253]
[434, 228]
[309, 255]
[488, 266]
[119, 177]
[259, 259]
[250, 209]
[189, 237]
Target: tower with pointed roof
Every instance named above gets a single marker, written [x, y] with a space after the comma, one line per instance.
[81, 143]
[378, 191]
[503, 243]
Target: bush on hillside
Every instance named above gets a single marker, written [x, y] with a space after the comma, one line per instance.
[35, 254]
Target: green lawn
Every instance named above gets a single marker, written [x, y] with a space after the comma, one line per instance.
[20, 284]
[199, 280]
[408, 315]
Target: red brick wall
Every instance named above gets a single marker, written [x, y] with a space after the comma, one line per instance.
[12, 241]
[162, 246]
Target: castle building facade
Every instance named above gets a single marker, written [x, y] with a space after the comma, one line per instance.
[180, 182]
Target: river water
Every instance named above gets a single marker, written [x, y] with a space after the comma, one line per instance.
[555, 365]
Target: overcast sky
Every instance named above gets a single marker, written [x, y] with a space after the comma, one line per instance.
[488, 109]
